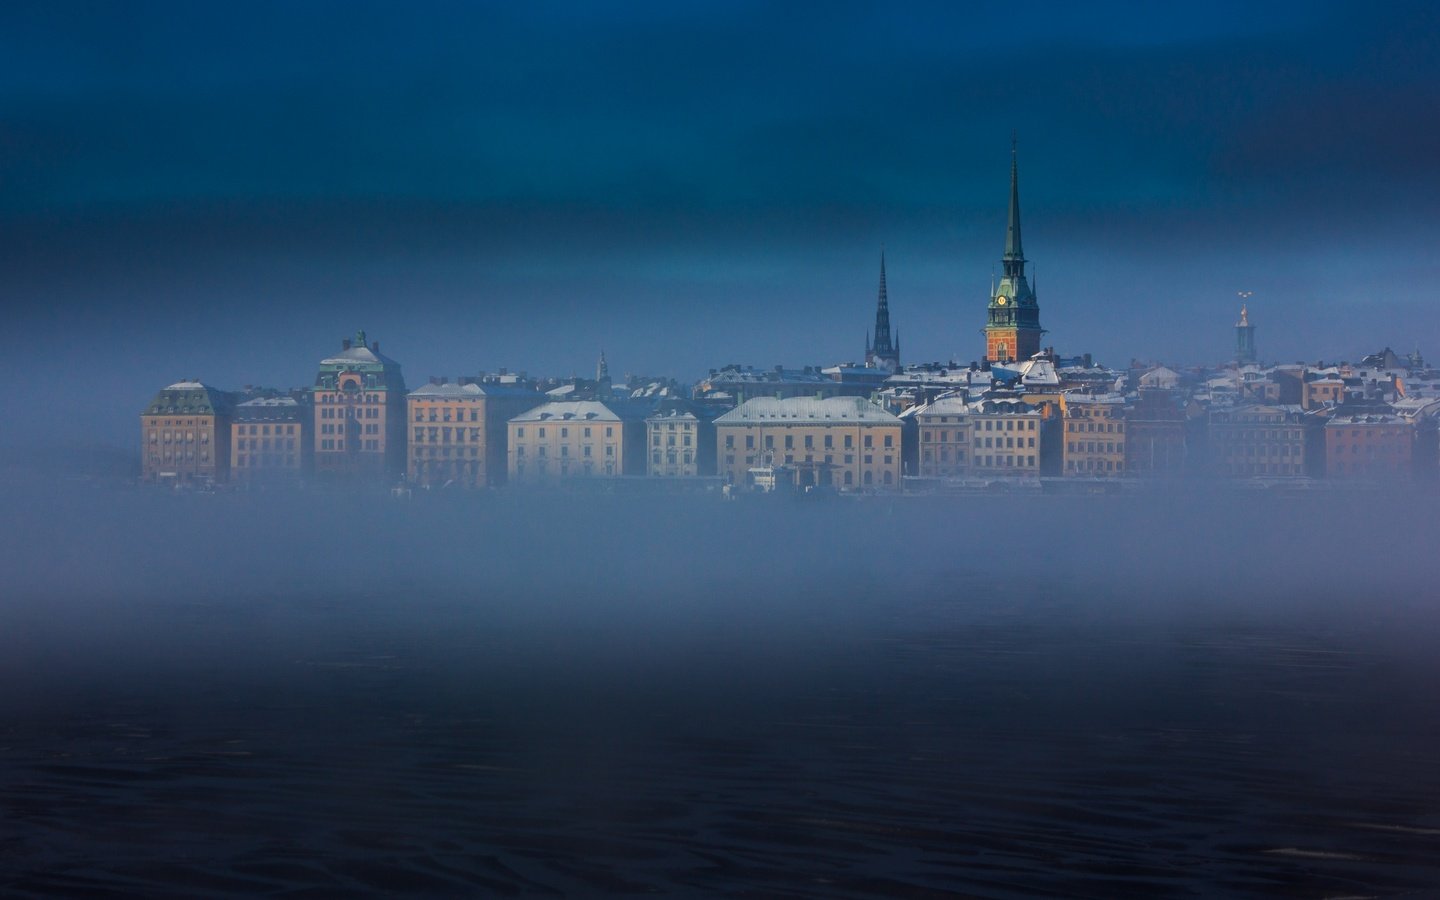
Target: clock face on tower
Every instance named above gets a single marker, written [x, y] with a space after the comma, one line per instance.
[1000, 300]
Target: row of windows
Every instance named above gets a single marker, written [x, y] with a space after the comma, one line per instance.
[1267, 450]
[443, 435]
[564, 450]
[944, 456]
[1095, 426]
[183, 437]
[350, 412]
[178, 455]
[265, 460]
[670, 440]
[1005, 462]
[1094, 447]
[1252, 434]
[443, 415]
[944, 437]
[336, 398]
[265, 429]
[339, 444]
[670, 457]
[828, 442]
[564, 431]
[1094, 465]
[1387, 449]
[1009, 423]
[264, 444]
[542, 468]
[1010, 443]
[432, 452]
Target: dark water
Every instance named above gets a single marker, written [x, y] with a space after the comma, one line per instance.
[1098, 697]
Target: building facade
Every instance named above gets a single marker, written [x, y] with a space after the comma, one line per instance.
[1155, 434]
[1263, 440]
[359, 413]
[847, 443]
[185, 434]
[681, 441]
[1012, 327]
[1370, 445]
[1007, 439]
[1094, 436]
[269, 440]
[459, 432]
[577, 439]
[942, 432]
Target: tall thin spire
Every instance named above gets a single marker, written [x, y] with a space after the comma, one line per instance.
[882, 350]
[1013, 249]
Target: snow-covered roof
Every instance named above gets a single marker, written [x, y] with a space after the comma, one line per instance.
[579, 411]
[451, 390]
[260, 402]
[834, 410]
[951, 405]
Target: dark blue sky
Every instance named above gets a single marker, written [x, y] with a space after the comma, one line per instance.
[187, 191]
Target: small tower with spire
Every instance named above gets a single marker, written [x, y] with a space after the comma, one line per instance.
[1244, 336]
[1012, 326]
[882, 353]
[602, 371]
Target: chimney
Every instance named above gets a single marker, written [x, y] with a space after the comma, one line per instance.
[377, 348]
[344, 343]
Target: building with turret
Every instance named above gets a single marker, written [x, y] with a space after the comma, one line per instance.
[1244, 339]
[1012, 327]
[359, 413]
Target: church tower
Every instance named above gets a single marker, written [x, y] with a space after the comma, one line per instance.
[883, 354]
[1244, 339]
[1012, 327]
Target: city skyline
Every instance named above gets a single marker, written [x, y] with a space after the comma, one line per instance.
[221, 198]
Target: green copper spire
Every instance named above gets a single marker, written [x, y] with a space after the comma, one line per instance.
[1013, 250]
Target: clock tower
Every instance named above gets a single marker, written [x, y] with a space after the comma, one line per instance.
[1012, 326]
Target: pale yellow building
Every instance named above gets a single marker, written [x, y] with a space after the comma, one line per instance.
[1094, 436]
[844, 442]
[681, 444]
[577, 439]
[1007, 438]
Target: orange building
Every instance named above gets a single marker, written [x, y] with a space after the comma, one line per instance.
[1371, 445]
[1094, 435]
[458, 432]
[359, 413]
[185, 434]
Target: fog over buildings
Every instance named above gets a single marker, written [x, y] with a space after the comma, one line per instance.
[546, 450]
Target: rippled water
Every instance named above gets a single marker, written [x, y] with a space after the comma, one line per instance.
[893, 730]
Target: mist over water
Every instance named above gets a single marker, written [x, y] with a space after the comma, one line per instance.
[1174, 694]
